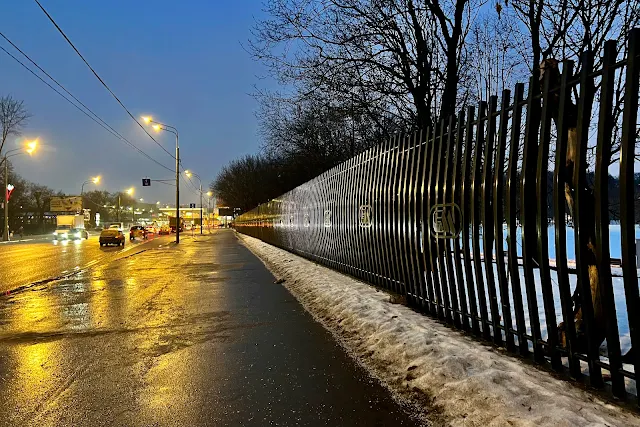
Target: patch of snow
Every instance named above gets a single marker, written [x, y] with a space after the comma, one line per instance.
[464, 382]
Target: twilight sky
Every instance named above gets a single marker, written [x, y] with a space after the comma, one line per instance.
[180, 61]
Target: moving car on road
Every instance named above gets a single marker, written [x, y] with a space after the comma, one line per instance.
[165, 229]
[137, 231]
[112, 236]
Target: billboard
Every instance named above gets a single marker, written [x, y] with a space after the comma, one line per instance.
[66, 204]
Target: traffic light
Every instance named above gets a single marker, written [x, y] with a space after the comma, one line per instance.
[146, 182]
[192, 205]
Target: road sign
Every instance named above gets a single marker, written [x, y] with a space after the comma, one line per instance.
[192, 205]
[146, 182]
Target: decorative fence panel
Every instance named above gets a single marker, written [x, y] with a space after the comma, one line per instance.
[498, 221]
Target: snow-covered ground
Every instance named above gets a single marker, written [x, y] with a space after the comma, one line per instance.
[458, 380]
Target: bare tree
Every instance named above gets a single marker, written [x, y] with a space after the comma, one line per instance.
[559, 30]
[406, 54]
[13, 116]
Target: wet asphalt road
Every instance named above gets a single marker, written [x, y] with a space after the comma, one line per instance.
[23, 263]
[190, 335]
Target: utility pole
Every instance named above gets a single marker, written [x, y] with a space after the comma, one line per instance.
[5, 233]
[118, 207]
[177, 190]
[201, 219]
[158, 127]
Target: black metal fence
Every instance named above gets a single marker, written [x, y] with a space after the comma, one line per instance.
[489, 221]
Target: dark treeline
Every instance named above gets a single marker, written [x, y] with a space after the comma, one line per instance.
[29, 205]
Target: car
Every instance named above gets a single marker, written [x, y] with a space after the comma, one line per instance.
[78, 233]
[151, 229]
[165, 229]
[112, 236]
[137, 231]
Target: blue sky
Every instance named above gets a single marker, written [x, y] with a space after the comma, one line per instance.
[181, 62]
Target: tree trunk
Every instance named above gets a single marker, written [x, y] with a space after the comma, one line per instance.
[587, 219]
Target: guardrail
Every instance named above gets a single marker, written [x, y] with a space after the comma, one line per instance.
[409, 215]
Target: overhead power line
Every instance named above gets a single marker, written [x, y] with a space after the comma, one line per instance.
[100, 79]
[93, 116]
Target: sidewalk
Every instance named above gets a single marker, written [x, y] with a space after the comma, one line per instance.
[28, 238]
[471, 384]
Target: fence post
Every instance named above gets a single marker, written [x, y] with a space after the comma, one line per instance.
[426, 232]
[601, 193]
[488, 220]
[445, 184]
[528, 213]
[627, 197]
[475, 219]
[456, 195]
[433, 250]
[581, 232]
[541, 226]
[498, 218]
[414, 223]
[511, 218]
[466, 207]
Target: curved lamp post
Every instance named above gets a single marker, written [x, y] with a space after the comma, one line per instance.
[29, 149]
[157, 126]
[189, 174]
[95, 180]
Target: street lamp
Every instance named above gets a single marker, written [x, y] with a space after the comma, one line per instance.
[129, 192]
[157, 126]
[188, 173]
[30, 148]
[209, 194]
[95, 180]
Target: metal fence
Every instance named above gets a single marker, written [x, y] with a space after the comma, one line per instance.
[461, 219]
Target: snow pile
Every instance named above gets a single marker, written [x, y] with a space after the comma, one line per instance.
[460, 381]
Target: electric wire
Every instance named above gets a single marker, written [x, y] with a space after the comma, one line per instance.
[100, 79]
[93, 116]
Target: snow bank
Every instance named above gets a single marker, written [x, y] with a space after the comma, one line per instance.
[458, 380]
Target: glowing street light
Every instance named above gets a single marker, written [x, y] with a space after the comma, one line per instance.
[189, 175]
[157, 126]
[95, 180]
[129, 192]
[29, 148]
